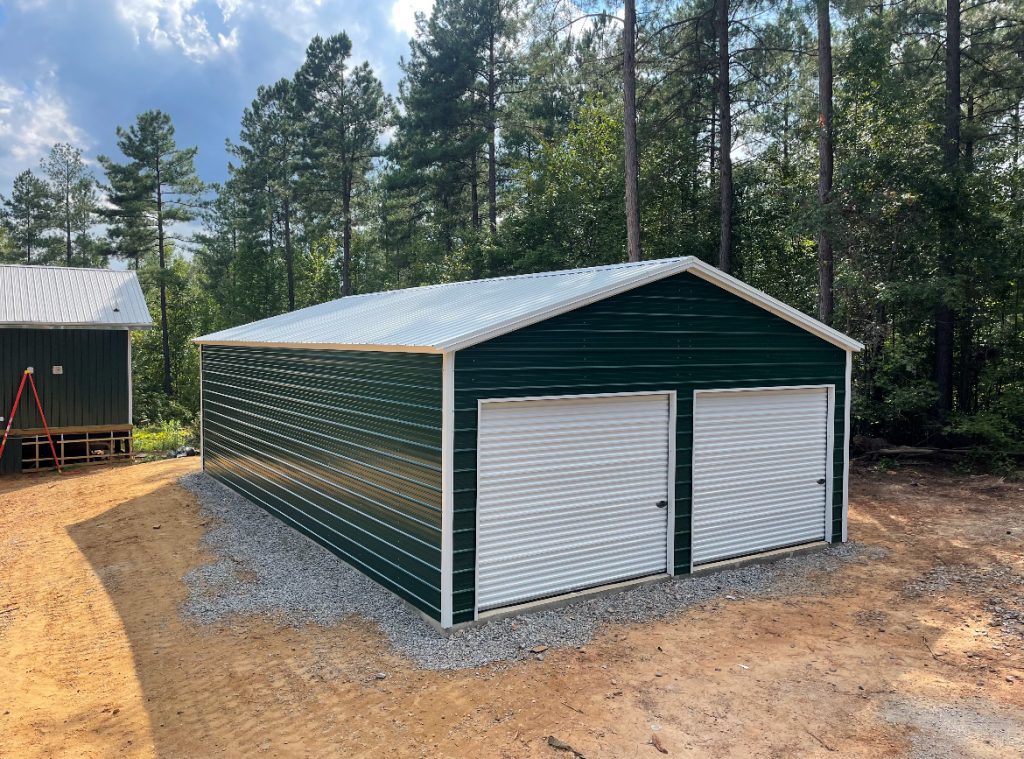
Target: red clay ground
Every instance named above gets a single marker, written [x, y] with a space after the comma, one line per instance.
[96, 662]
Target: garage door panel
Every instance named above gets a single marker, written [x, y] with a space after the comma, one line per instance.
[519, 590]
[602, 467]
[567, 494]
[780, 483]
[550, 516]
[760, 434]
[760, 463]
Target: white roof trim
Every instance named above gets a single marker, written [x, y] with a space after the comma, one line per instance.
[639, 274]
[324, 346]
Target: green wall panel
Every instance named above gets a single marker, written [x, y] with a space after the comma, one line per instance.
[93, 390]
[680, 333]
[344, 446]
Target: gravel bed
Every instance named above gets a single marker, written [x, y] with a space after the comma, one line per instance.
[264, 567]
[1000, 589]
[959, 727]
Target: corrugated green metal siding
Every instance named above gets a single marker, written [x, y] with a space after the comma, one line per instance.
[345, 446]
[93, 390]
[680, 333]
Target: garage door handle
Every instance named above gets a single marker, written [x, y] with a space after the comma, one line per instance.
[821, 481]
[662, 504]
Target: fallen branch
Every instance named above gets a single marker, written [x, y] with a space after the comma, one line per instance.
[819, 740]
[928, 646]
[560, 745]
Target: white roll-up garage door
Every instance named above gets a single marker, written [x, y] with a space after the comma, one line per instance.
[571, 493]
[760, 470]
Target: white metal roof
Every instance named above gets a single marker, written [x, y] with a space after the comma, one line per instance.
[56, 296]
[453, 316]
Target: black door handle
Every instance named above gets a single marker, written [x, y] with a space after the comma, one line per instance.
[821, 481]
[662, 504]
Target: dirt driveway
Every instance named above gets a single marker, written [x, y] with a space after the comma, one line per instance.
[917, 654]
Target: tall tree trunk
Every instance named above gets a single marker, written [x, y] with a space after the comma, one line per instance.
[725, 139]
[165, 340]
[289, 256]
[629, 129]
[67, 224]
[713, 141]
[492, 128]
[944, 316]
[346, 240]
[968, 367]
[826, 264]
[474, 189]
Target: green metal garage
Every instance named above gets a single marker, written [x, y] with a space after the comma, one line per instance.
[479, 445]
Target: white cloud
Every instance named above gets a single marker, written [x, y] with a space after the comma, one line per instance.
[167, 24]
[403, 14]
[33, 117]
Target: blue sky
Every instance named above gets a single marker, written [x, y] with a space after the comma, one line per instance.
[73, 70]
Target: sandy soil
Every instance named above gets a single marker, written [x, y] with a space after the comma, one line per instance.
[95, 661]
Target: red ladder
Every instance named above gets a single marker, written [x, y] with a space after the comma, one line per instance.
[27, 375]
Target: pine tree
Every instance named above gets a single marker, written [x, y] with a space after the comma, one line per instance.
[345, 111]
[151, 192]
[73, 189]
[28, 215]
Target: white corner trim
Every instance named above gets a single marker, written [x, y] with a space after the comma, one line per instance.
[670, 531]
[846, 441]
[447, 484]
[131, 394]
[202, 414]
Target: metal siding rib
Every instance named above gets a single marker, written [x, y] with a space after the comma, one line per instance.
[343, 446]
[678, 333]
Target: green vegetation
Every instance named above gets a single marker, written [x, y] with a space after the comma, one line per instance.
[163, 436]
[502, 152]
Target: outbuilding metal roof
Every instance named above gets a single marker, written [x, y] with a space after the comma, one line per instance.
[55, 296]
[453, 316]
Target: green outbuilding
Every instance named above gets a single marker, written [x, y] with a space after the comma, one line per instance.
[71, 327]
[479, 447]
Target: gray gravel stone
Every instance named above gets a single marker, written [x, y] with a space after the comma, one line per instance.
[962, 727]
[264, 567]
[999, 588]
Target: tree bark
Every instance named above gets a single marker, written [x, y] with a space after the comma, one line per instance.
[289, 256]
[826, 263]
[944, 315]
[712, 171]
[346, 238]
[726, 196]
[164, 333]
[492, 129]
[474, 189]
[67, 223]
[629, 129]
